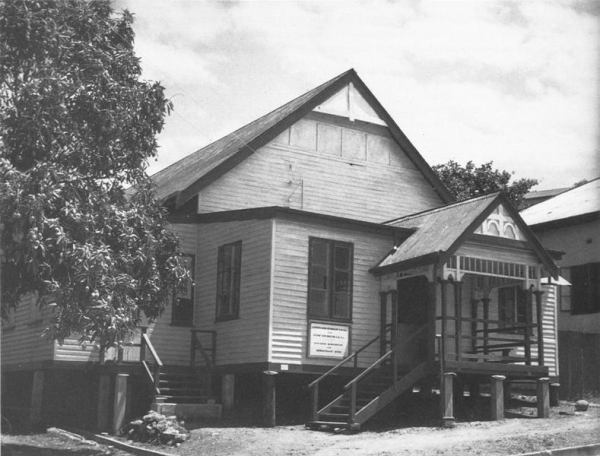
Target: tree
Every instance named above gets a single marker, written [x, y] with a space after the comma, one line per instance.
[471, 181]
[78, 127]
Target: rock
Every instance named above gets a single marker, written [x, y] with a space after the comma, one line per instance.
[581, 405]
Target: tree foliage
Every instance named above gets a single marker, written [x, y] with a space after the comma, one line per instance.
[78, 127]
[469, 181]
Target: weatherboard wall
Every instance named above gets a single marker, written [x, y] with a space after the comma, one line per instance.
[327, 165]
[245, 339]
[289, 333]
[22, 340]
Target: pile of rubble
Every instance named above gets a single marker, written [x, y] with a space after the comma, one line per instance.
[156, 429]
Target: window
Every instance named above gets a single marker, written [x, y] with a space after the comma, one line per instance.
[330, 279]
[512, 303]
[182, 313]
[228, 281]
[585, 288]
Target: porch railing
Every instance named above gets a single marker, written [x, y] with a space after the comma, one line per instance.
[484, 342]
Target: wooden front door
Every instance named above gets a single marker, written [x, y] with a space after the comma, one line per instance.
[412, 315]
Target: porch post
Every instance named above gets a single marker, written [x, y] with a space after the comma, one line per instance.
[497, 397]
[431, 304]
[394, 334]
[528, 305]
[383, 322]
[486, 324]
[444, 319]
[474, 314]
[458, 318]
[540, 326]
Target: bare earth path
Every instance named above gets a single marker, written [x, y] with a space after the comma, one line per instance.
[512, 436]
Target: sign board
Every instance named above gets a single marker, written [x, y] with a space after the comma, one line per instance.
[328, 340]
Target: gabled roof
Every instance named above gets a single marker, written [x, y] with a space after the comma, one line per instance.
[440, 232]
[579, 201]
[183, 179]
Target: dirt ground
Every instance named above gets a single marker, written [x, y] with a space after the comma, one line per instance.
[565, 428]
[523, 434]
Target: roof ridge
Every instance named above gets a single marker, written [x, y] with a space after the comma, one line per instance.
[442, 208]
[315, 91]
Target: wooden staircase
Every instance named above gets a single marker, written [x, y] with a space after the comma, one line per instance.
[182, 386]
[367, 393]
[371, 396]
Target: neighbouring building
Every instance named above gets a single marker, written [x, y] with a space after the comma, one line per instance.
[570, 222]
[332, 271]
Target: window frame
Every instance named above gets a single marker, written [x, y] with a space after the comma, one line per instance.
[519, 299]
[331, 270]
[182, 311]
[234, 286]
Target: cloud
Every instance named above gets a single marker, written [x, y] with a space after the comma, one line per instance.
[513, 82]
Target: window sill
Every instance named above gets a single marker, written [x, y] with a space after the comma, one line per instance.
[223, 319]
[181, 325]
[329, 319]
[590, 312]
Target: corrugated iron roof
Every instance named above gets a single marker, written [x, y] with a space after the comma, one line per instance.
[578, 201]
[437, 229]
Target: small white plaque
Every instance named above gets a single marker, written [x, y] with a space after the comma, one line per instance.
[328, 340]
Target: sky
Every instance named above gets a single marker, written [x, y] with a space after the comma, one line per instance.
[513, 82]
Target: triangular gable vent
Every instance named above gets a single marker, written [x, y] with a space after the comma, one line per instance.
[500, 224]
[348, 102]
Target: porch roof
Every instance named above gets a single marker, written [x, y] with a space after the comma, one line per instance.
[440, 232]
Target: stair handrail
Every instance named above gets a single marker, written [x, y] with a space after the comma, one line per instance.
[158, 365]
[376, 364]
[314, 386]
[196, 345]
[345, 360]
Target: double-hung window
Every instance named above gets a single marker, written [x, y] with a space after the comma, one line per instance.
[229, 269]
[330, 279]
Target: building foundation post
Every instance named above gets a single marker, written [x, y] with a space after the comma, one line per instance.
[120, 402]
[37, 394]
[104, 403]
[269, 399]
[227, 393]
[447, 398]
[497, 397]
[543, 397]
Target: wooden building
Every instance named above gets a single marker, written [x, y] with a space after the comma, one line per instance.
[325, 252]
[570, 222]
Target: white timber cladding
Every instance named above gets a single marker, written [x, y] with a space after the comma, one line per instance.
[290, 285]
[242, 340]
[22, 342]
[172, 343]
[322, 167]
